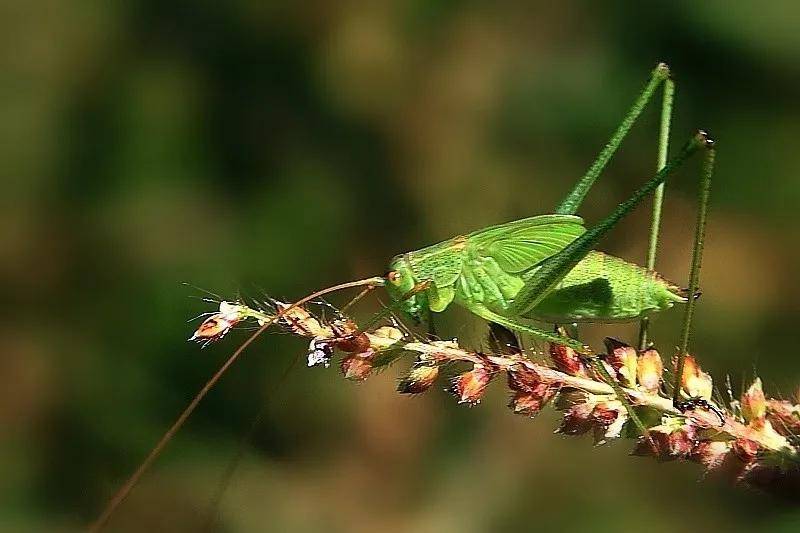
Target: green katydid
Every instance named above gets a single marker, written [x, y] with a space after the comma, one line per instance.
[541, 267]
[544, 268]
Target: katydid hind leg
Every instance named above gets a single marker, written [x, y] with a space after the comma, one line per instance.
[553, 270]
[573, 200]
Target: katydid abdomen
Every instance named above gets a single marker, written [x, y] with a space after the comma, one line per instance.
[601, 288]
[604, 288]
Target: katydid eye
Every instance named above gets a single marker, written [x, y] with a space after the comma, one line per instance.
[393, 276]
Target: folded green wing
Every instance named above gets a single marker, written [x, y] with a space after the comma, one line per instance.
[522, 244]
[515, 246]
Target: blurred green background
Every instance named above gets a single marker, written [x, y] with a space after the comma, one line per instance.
[250, 146]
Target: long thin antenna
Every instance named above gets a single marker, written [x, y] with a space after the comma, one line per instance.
[126, 488]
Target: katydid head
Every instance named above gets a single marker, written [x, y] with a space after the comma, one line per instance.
[400, 284]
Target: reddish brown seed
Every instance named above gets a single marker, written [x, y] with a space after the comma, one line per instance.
[418, 380]
[530, 403]
[522, 379]
[784, 417]
[622, 359]
[754, 405]
[353, 343]
[531, 394]
[649, 371]
[710, 453]
[667, 442]
[300, 322]
[577, 419]
[357, 366]
[567, 360]
[470, 386]
[741, 458]
[694, 381]
[608, 419]
[217, 325]
[746, 449]
[213, 328]
[604, 415]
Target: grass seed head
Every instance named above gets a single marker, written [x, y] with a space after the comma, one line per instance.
[695, 382]
[622, 358]
[470, 386]
[357, 366]
[567, 360]
[419, 379]
[649, 371]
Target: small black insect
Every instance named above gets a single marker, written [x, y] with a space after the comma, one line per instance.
[694, 403]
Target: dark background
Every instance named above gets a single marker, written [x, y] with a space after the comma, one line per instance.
[250, 146]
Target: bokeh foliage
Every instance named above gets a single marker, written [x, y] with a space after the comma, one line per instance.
[282, 146]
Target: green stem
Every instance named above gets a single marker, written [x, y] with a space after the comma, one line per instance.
[697, 260]
[658, 194]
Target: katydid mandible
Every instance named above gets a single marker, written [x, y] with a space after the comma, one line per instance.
[544, 267]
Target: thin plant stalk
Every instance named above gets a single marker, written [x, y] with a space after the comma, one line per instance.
[131, 482]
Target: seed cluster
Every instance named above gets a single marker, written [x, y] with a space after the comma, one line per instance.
[752, 440]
